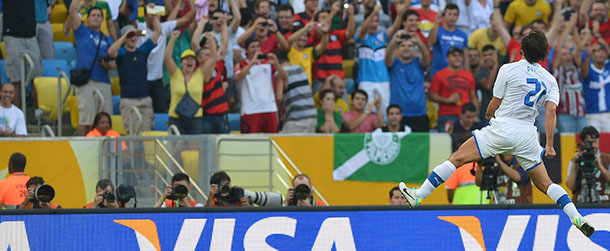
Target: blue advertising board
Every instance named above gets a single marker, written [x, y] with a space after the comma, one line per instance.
[358, 229]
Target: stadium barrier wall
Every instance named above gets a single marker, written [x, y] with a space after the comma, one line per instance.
[339, 228]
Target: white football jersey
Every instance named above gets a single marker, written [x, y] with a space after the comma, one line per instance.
[523, 87]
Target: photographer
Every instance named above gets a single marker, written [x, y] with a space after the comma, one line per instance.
[300, 194]
[33, 198]
[589, 169]
[104, 197]
[510, 184]
[176, 195]
[222, 194]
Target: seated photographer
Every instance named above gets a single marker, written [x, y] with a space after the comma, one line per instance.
[39, 195]
[222, 194]
[508, 182]
[588, 175]
[104, 197]
[396, 199]
[300, 194]
[176, 195]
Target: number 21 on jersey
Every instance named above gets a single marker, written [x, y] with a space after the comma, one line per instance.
[532, 97]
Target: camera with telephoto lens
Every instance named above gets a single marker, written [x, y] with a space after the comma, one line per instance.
[587, 160]
[124, 193]
[230, 194]
[178, 192]
[489, 182]
[43, 193]
[264, 199]
[300, 192]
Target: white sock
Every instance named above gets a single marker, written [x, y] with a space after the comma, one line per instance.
[559, 195]
[438, 176]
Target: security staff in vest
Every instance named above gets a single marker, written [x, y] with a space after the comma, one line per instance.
[176, 194]
[588, 175]
[300, 194]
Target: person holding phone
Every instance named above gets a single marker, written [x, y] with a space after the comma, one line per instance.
[255, 77]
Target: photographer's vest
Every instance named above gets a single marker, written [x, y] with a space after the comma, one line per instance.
[511, 192]
[602, 187]
[172, 203]
[219, 203]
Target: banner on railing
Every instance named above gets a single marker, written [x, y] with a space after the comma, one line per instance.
[493, 229]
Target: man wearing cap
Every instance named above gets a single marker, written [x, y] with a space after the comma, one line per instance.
[13, 189]
[451, 88]
[132, 68]
[87, 39]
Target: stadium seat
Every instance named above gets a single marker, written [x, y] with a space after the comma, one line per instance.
[348, 66]
[349, 86]
[117, 124]
[65, 51]
[58, 33]
[59, 14]
[3, 76]
[116, 86]
[72, 104]
[3, 49]
[46, 88]
[52, 67]
[116, 105]
[149, 146]
[234, 121]
[190, 163]
[161, 120]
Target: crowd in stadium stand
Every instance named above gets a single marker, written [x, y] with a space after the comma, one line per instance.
[272, 61]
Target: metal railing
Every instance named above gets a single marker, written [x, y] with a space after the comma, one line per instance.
[173, 130]
[61, 101]
[46, 130]
[135, 131]
[25, 80]
[294, 166]
[101, 99]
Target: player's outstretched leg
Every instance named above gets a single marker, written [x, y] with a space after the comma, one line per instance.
[467, 152]
[542, 181]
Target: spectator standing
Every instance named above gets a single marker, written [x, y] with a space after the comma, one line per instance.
[267, 33]
[462, 22]
[106, 26]
[394, 120]
[189, 80]
[255, 78]
[359, 120]
[596, 84]
[487, 36]
[337, 85]
[373, 74]
[331, 61]
[302, 55]
[484, 78]
[599, 19]
[410, 20]
[407, 79]
[285, 20]
[13, 189]
[311, 7]
[452, 87]
[468, 120]
[566, 69]
[523, 12]
[444, 37]
[329, 120]
[131, 64]
[19, 33]
[87, 41]
[12, 120]
[369, 5]
[474, 60]
[426, 16]
[44, 32]
[300, 114]
[479, 12]
[154, 64]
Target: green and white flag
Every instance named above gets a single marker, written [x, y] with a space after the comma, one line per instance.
[379, 156]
